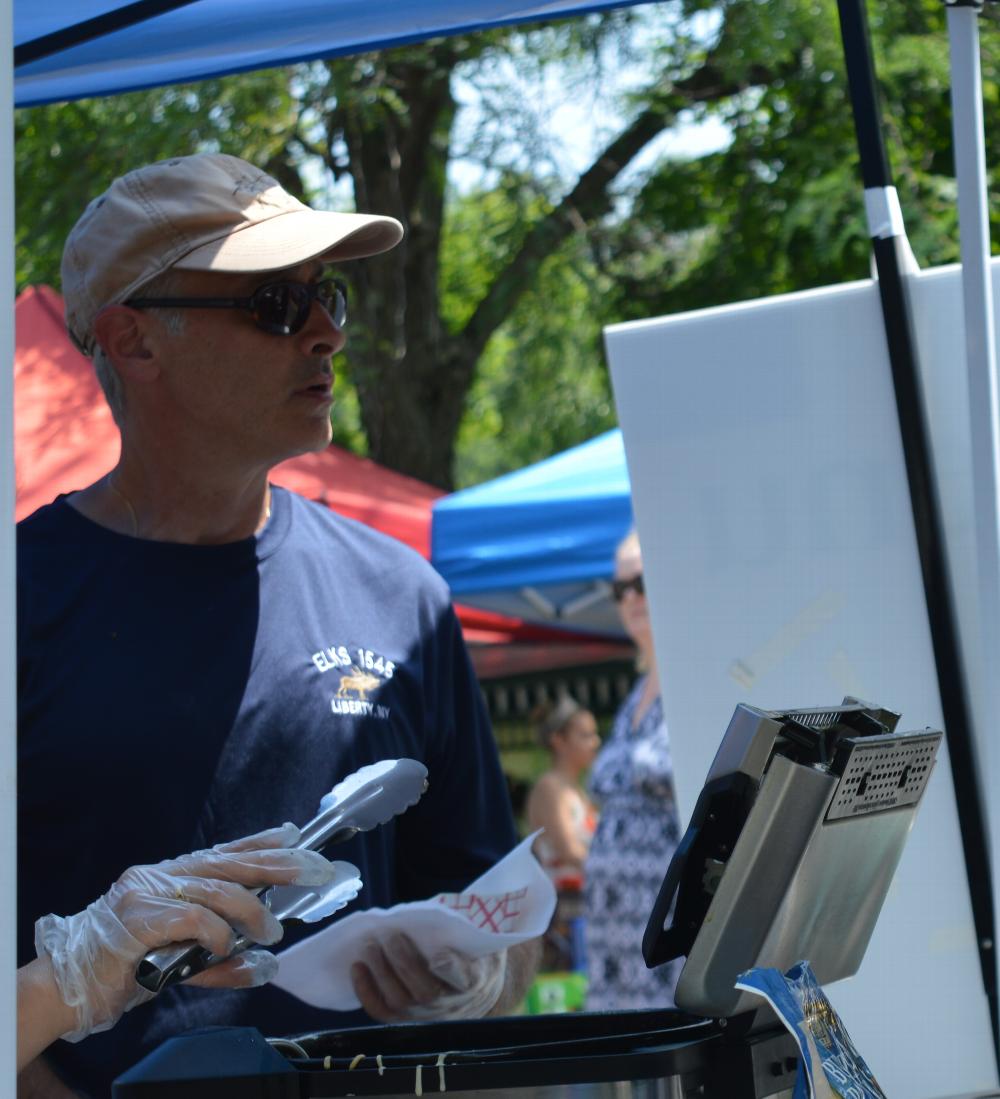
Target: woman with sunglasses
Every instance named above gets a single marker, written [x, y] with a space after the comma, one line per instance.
[633, 786]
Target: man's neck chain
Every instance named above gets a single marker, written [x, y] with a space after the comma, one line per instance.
[127, 502]
[135, 519]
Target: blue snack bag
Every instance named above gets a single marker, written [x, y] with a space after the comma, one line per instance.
[829, 1065]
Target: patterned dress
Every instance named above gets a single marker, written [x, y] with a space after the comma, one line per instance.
[637, 833]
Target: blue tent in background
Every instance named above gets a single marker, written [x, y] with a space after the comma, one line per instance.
[539, 543]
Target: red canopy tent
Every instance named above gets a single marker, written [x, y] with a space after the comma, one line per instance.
[65, 438]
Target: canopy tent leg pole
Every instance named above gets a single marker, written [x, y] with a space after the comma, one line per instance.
[892, 257]
[981, 365]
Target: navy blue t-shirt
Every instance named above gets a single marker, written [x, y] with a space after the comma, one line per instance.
[171, 697]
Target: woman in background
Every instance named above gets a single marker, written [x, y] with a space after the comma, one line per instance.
[557, 801]
[558, 804]
[633, 785]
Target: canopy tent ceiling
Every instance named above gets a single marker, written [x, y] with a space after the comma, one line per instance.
[65, 438]
[539, 543]
[171, 41]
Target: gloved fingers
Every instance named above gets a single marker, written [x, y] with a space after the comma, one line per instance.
[487, 980]
[379, 977]
[389, 980]
[379, 992]
[370, 995]
[457, 971]
[256, 869]
[413, 970]
[250, 969]
[158, 921]
[158, 905]
[285, 835]
[239, 907]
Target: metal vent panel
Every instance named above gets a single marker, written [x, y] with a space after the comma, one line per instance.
[884, 773]
[814, 719]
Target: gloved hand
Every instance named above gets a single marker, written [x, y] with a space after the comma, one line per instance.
[203, 896]
[394, 981]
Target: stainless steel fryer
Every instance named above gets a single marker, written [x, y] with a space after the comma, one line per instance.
[789, 854]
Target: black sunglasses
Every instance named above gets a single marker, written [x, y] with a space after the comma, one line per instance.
[281, 308]
[620, 587]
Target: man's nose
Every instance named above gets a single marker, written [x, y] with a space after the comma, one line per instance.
[320, 335]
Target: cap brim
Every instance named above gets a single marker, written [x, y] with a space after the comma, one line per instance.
[291, 238]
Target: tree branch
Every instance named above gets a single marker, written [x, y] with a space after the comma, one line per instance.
[589, 200]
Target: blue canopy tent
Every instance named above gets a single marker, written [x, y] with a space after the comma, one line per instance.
[540, 542]
[69, 49]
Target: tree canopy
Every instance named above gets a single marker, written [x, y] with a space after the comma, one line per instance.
[779, 209]
[475, 346]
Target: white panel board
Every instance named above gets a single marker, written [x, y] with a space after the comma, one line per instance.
[771, 499]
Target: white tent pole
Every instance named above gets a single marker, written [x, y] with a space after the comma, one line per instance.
[980, 349]
[8, 786]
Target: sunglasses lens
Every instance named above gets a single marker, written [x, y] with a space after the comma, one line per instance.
[281, 307]
[620, 587]
[332, 295]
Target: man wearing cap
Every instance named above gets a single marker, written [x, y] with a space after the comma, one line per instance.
[202, 655]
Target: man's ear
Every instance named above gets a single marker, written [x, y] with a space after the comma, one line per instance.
[121, 332]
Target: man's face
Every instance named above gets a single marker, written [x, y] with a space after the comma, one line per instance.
[245, 393]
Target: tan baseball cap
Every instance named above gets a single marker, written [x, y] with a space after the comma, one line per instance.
[209, 212]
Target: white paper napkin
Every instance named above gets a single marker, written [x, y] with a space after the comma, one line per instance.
[513, 901]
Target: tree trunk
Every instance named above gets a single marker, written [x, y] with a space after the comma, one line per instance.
[398, 157]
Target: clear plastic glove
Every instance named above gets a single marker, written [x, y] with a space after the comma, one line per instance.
[477, 985]
[206, 896]
[394, 980]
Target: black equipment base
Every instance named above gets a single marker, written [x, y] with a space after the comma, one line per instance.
[518, 1055]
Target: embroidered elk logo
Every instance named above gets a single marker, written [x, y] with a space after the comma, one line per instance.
[358, 682]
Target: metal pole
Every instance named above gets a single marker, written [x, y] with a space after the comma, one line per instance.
[980, 355]
[78, 33]
[891, 253]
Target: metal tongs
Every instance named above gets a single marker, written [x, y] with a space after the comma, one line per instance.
[362, 801]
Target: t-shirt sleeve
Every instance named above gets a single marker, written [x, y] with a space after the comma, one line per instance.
[463, 824]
